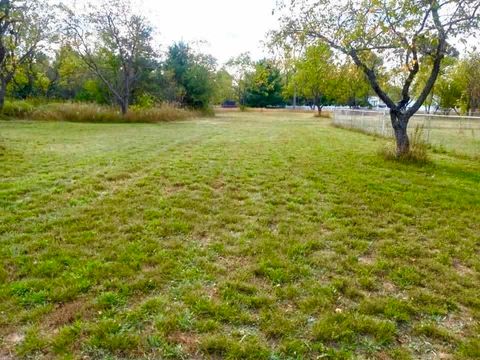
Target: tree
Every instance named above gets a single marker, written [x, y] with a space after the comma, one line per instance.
[224, 90]
[399, 33]
[286, 52]
[351, 86]
[264, 86]
[31, 78]
[240, 67]
[24, 27]
[469, 73]
[191, 74]
[448, 89]
[114, 43]
[316, 75]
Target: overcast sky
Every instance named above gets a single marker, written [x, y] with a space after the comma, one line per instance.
[229, 27]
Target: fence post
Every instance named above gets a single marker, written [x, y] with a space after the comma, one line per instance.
[429, 128]
[382, 115]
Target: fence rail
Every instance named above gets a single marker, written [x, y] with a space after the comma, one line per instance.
[459, 134]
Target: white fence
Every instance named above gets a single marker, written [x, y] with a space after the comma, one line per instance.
[460, 134]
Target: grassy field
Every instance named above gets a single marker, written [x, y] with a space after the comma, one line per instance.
[245, 236]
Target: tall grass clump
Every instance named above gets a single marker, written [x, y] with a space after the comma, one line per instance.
[418, 149]
[88, 112]
[17, 109]
[78, 112]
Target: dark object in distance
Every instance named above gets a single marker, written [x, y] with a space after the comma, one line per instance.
[229, 104]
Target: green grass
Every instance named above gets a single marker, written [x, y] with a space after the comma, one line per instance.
[247, 236]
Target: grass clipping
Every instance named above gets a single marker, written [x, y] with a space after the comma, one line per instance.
[418, 149]
[87, 112]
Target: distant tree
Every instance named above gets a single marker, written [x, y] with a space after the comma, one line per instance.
[191, 74]
[402, 33]
[441, 88]
[286, 51]
[176, 66]
[316, 76]
[114, 43]
[264, 86]
[31, 78]
[67, 74]
[469, 73]
[240, 67]
[24, 28]
[351, 86]
[224, 90]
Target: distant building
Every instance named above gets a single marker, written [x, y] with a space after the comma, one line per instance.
[375, 102]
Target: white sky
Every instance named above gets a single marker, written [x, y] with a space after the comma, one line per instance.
[229, 27]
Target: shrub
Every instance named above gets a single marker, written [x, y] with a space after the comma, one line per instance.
[17, 109]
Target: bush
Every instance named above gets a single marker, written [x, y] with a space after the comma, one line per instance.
[88, 112]
[17, 109]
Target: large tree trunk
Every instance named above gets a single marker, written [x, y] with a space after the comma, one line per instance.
[124, 107]
[400, 125]
[318, 105]
[294, 97]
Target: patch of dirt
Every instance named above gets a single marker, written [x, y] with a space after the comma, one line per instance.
[6, 356]
[388, 287]
[367, 260]
[172, 190]
[462, 269]
[9, 343]
[188, 341]
[456, 323]
[66, 314]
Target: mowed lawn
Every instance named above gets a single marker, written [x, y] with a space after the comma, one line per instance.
[245, 236]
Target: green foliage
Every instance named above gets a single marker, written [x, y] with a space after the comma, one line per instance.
[17, 109]
[351, 86]
[467, 77]
[240, 68]
[224, 90]
[316, 76]
[192, 74]
[264, 86]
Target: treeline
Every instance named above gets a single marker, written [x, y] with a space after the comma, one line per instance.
[107, 54]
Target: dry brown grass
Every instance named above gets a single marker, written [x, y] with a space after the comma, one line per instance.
[87, 112]
[76, 112]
